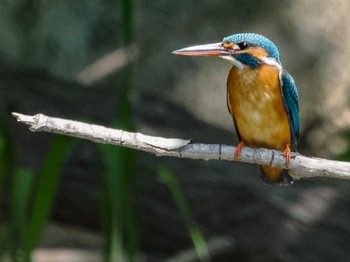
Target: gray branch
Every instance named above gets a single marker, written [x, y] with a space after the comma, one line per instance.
[300, 166]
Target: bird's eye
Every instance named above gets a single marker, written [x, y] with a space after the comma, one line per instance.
[243, 45]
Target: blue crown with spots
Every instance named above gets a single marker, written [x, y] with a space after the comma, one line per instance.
[256, 40]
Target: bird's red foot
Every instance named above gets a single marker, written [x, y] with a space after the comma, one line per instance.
[238, 150]
[287, 155]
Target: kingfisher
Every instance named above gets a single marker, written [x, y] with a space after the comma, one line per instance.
[262, 98]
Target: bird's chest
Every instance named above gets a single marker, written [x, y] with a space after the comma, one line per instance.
[255, 101]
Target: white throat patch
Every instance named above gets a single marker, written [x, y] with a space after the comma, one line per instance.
[235, 62]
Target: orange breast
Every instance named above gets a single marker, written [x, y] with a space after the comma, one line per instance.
[256, 103]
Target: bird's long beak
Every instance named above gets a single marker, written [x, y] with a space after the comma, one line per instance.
[216, 49]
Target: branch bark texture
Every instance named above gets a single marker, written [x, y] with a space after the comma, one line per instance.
[300, 166]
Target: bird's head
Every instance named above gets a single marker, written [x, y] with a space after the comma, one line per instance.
[245, 49]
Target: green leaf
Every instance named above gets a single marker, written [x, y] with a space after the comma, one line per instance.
[46, 189]
[197, 237]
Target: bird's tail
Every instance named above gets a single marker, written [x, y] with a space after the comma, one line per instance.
[273, 175]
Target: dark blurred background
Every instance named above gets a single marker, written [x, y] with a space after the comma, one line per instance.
[110, 63]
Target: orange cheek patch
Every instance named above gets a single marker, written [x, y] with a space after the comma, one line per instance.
[258, 52]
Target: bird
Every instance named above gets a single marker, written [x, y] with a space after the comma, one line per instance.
[262, 97]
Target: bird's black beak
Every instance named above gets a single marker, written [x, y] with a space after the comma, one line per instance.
[216, 49]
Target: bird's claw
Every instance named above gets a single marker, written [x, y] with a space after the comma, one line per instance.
[287, 155]
[238, 150]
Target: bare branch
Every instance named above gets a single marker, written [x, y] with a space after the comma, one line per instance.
[300, 166]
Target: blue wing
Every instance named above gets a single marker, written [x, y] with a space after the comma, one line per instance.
[291, 101]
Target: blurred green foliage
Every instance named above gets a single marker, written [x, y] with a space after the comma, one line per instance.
[31, 195]
[119, 214]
